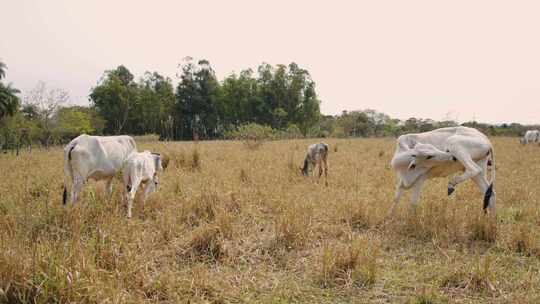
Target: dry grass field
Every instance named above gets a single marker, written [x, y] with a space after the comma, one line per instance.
[231, 224]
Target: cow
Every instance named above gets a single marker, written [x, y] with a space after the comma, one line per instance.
[317, 155]
[94, 157]
[531, 136]
[141, 168]
[440, 153]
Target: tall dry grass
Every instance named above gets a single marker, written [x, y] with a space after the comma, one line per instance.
[233, 224]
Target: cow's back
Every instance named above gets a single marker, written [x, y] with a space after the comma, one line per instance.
[98, 157]
[117, 148]
[439, 137]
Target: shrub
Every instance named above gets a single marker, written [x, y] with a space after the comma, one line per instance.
[292, 132]
[252, 135]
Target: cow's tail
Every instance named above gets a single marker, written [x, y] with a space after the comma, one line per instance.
[68, 171]
[489, 191]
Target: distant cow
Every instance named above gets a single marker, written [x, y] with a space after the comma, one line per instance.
[531, 136]
[141, 168]
[317, 155]
[440, 153]
[94, 157]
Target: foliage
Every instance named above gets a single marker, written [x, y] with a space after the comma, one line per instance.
[253, 105]
[72, 122]
[114, 98]
[9, 102]
[253, 135]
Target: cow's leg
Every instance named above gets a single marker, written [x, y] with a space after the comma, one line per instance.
[397, 196]
[320, 169]
[484, 187]
[325, 162]
[417, 187]
[109, 188]
[149, 188]
[131, 190]
[78, 183]
[471, 169]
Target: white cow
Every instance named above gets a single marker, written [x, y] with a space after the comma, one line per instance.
[141, 168]
[440, 153]
[531, 136]
[317, 155]
[94, 157]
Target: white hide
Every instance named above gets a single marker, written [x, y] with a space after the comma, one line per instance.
[441, 153]
[141, 168]
[94, 157]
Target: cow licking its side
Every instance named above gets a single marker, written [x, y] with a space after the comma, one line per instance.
[141, 168]
[94, 157]
[440, 153]
[317, 155]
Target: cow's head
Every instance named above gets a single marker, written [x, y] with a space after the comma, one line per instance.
[305, 169]
[427, 155]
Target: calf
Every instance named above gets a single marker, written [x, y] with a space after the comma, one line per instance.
[317, 155]
[141, 168]
[94, 157]
[440, 153]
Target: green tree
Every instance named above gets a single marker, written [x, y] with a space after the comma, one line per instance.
[114, 99]
[355, 123]
[241, 101]
[73, 122]
[198, 100]
[3, 69]
[9, 102]
[153, 104]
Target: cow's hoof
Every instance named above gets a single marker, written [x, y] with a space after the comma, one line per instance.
[450, 190]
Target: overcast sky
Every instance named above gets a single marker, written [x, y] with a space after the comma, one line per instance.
[430, 59]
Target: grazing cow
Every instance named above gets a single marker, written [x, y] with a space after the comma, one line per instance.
[317, 155]
[141, 168]
[94, 157]
[440, 153]
[531, 136]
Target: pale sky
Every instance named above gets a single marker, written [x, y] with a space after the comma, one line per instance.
[429, 59]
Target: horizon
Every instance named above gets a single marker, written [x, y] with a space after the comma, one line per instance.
[406, 60]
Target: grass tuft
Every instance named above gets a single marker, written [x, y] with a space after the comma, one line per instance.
[347, 265]
[206, 243]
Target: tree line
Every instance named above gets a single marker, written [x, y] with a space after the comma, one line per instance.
[280, 98]
[203, 107]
